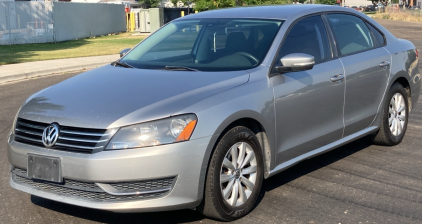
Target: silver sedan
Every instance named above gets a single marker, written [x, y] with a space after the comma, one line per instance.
[202, 111]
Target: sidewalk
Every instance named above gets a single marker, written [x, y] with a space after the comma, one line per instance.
[21, 71]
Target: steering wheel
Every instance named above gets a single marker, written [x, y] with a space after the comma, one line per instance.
[249, 56]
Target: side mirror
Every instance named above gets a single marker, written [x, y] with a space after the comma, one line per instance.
[124, 51]
[296, 62]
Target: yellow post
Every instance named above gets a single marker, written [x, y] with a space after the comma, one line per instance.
[132, 21]
[127, 21]
[196, 11]
[182, 13]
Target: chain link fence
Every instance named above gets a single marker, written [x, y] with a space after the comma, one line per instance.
[26, 22]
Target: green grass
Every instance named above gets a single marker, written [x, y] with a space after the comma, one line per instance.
[370, 12]
[407, 15]
[105, 45]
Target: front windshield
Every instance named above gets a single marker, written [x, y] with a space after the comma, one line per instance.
[206, 45]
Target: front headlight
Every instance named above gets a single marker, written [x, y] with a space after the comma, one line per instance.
[165, 131]
[15, 120]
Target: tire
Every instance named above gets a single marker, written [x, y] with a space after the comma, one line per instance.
[229, 208]
[392, 136]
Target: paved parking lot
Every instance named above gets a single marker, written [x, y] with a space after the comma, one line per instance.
[357, 183]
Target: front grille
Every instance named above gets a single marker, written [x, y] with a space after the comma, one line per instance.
[143, 185]
[70, 138]
[84, 190]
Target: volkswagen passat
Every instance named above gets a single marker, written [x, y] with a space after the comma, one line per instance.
[202, 111]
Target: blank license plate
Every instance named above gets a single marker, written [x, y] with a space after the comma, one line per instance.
[44, 168]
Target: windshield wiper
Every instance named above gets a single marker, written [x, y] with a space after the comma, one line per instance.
[180, 68]
[122, 64]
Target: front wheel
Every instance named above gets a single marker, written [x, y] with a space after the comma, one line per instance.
[394, 117]
[234, 176]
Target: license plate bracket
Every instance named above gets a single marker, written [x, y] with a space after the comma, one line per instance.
[44, 168]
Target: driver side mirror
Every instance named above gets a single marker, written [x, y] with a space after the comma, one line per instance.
[124, 51]
[296, 62]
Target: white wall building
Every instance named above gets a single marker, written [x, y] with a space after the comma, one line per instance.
[419, 3]
[86, 1]
[357, 2]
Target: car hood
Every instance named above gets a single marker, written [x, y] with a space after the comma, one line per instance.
[110, 96]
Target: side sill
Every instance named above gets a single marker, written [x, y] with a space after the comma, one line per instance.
[323, 149]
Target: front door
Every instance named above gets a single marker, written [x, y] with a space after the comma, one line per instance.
[308, 104]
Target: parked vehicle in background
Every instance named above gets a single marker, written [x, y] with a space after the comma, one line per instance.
[203, 110]
[380, 7]
[370, 8]
[355, 8]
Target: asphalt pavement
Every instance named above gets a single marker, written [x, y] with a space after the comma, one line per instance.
[356, 183]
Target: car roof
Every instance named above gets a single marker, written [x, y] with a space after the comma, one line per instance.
[283, 12]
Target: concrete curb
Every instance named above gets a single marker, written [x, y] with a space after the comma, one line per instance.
[47, 72]
[30, 70]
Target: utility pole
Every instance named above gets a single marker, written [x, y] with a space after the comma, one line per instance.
[188, 2]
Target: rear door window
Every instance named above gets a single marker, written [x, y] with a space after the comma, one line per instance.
[351, 33]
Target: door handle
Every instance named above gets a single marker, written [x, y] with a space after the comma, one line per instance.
[384, 63]
[337, 78]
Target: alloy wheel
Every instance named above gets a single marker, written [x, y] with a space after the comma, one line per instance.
[397, 114]
[238, 174]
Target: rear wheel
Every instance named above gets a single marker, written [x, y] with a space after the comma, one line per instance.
[394, 117]
[234, 176]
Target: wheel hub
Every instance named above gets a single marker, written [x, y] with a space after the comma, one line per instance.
[237, 174]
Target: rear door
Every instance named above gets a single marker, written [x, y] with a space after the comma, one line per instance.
[367, 68]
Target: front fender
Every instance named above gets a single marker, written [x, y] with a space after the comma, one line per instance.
[252, 100]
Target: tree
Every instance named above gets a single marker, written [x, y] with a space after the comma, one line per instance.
[185, 2]
[326, 2]
[150, 3]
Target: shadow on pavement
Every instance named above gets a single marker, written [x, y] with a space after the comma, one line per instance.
[316, 163]
[184, 216]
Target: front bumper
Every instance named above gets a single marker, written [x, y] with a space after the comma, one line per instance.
[183, 161]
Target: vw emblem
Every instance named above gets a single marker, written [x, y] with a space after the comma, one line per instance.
[50, 135]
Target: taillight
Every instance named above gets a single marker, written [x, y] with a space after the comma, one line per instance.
[417, 53]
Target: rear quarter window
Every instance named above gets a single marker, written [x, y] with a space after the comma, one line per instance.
[379, 38]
